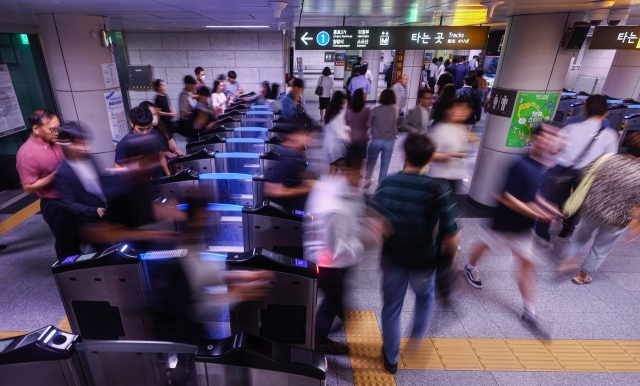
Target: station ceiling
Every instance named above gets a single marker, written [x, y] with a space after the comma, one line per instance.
[196, 15]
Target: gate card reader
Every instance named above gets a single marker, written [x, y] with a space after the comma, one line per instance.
[116, 255]
[45, 344]
[261, 258]
[261, 358]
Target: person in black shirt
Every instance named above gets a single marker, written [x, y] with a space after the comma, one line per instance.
[519, 208]
[169, 146]
[444, 80]
[203, 117]
[286, 185]
[165, 109]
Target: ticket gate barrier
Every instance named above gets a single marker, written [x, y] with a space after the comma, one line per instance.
[262, 118]
[564, 104]
[229, 122]
[273, 227]
[183, 185]
[46, 356]
[630, 124]
[258, 190]
[214, 143]
[218, 144]
[234, 114]
[230, 188]
[202, 162]
[288, 313]
[206, 161]
[224, 233]
[269, 161]
[259, 107]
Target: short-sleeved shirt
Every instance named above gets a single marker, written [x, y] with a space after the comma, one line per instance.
[358, 124]
[448, 138]
[37, 159]
[384, 120]
[162, 102]
[186, 102]
[129, 147]
[231, 88]
[444, 80]
[289, 173]
[523, 180]
[419, 208]
[360, 82]
[163, 138]
[579, 135]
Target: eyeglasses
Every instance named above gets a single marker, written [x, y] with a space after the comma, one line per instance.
[54, 130]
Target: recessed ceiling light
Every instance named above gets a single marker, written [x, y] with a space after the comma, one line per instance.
[237, 26]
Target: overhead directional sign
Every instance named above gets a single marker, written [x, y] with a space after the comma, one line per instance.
[616, 38]
[376, 38]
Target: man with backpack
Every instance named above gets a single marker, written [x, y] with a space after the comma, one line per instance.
[474, 97]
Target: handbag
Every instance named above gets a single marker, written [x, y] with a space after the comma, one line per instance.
[575, 201]
[560, 179]
[319, 88]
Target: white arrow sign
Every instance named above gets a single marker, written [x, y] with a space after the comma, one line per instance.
[304, 38]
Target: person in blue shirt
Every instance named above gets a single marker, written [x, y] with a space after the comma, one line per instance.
[360, 81]
[292, 102]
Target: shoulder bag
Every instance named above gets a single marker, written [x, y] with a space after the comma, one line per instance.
[319, 88]
[576, 199]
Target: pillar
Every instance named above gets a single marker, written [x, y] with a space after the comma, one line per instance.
[373, 58]
[74, 61]
[413, 68]
[622, 79]
[524, 40]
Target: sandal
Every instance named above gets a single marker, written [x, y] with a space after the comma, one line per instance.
[579, 279]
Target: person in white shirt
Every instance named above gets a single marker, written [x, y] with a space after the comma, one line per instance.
[584, 143]
[328, 88]
[473, 63]
[219, 99]
[368, 76]
[447, 63]
[337, 136]
[431, 71]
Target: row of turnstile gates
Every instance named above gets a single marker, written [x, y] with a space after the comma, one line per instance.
[624, 114]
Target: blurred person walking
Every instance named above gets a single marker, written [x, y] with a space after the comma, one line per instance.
[203, 117]
[474, 97]
[292, 106]
[186, 104]
[421, 211]
[519, 208]
[219, 100]
[447, 93]
[166, 112]
[356, 117]
[200, 75]
[336, 138]
[610, 206]
[401, 90]
[324, 90]
[419, 117]
[383, 122]
[584, 142]
[430, 73]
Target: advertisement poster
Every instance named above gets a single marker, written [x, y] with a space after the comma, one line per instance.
[11, 120]
[340, 60]
[110, 74]
[531, 110]
[117, 117]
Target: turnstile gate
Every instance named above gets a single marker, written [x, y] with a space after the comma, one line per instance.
[273, 227]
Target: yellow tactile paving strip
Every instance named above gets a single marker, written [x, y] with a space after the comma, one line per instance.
[365, 340]
[20, 216]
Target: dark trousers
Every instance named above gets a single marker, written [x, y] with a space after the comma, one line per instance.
[432, 83]
[62, 226]
[557, 195]
[331, 282]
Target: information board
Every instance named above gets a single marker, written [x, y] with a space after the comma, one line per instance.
[11, 120]
[615, 38]
[381, 38]
[117, 117]
[531, 110]
[110, 74]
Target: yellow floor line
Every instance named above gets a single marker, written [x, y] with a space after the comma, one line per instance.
[587, 356]
[19, 217]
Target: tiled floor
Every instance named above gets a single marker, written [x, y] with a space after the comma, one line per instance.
[606, 309]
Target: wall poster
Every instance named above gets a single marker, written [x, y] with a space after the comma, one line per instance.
[117, 117]
[11, 120]
[531, 110]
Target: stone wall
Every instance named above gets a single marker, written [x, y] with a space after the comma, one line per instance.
[254, 56]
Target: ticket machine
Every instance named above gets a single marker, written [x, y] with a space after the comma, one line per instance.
[288, 313]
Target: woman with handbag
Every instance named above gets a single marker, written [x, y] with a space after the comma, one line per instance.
[324, 89]
[337, 135]
[609, 200]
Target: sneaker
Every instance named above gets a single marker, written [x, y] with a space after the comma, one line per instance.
[473, 277]
[388, 366]
[332, 348]
[533, 322]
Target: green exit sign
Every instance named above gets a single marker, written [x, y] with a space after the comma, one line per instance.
[24, 38]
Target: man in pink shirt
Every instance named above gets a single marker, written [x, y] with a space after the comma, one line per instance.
[37, 162]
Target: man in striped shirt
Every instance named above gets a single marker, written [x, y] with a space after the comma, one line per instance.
[422, 211]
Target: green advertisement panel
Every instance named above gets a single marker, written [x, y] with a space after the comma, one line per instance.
[531, 110]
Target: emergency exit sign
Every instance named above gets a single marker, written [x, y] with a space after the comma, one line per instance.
[615, 38]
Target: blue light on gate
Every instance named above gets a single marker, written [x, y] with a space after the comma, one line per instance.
[323, 38]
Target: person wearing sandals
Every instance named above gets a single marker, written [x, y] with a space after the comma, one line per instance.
[610, 207]
[328, 88]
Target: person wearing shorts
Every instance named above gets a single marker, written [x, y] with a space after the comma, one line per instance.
[519, 208]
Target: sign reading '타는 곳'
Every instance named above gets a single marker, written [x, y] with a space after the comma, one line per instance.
[380, 38]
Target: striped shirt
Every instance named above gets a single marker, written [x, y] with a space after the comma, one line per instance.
[419, 208]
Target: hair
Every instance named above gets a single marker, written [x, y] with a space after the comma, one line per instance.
[326, 71]
[470, 80]
[204, 91]
[156, 84]
[453, 102]
[447, 69]
[632, 142]
[40, 117]
[418, 149]
[140, 116]
[447, 63]
[424, 91]
[387, 97]
[440, 59]
[267, 88]
[359, 58]
[222, 77]
[232, 74]
[479, 73]
[297, 82]
[198, 70]
[596, 105]
[456, 60]
[275, 90]
[362, 70]
[447, 92]
[189, 80]
[434, 60]
[147, 104]
[335, 105]
[357, 101]
[216, 84]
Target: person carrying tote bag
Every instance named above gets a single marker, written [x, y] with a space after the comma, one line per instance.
[576, 199]
[324, 90]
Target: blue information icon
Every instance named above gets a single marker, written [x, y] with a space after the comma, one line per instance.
[323, 38]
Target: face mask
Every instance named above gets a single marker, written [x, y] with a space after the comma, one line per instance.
[155, 121]
[202, 77]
